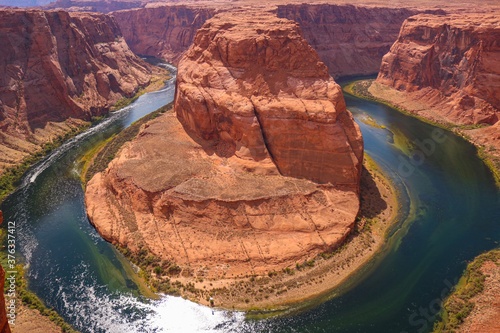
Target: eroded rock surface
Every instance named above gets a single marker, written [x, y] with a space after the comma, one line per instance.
[58, 66]
[268, 175]
[163, 31]
[450, 63]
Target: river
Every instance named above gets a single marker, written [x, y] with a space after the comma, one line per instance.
[450, 205]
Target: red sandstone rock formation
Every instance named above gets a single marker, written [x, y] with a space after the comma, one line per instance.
[259, 106]
[163, 32]
[258, 92]
[450, 63]
[57, 66]
[350, 40]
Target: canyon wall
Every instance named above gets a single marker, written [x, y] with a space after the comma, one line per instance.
[265, 93]
[258, 168]
[350, 40]
[59, 66]
[164, 31]
[450, 64]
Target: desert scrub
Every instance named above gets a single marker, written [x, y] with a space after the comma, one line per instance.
[459, 305]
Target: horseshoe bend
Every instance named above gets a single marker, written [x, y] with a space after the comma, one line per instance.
[255, 172]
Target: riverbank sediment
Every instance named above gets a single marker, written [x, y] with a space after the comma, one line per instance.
[474, 304]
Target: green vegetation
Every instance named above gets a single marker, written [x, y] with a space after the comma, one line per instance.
[459, 305]
[11, 177]
[27, 297]
[156, 272]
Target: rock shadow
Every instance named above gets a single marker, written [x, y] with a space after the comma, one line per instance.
[372, 202]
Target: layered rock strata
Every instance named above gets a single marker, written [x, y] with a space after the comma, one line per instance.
[451, 63]
[350, 40]
[57, 67]
[262, 173]
[163, 31]
[447, 69]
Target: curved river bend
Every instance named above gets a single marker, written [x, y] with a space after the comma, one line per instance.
[453, 216]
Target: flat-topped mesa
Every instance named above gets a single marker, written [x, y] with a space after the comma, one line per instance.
[251, 87]
[450, 62]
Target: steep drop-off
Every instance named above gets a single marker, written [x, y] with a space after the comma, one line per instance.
[59, 67]
[450, 61]
[238, 191]
[164, 31]
[350, 40]
[447, 69]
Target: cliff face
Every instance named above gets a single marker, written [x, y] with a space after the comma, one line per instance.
[451, 63]
[258, 93]
[164, 31]
[236, 191]
[350, 40]
[58, 66]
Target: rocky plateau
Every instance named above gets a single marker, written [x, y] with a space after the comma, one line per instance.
[257, 169]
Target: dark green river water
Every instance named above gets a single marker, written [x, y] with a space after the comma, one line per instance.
[450, 214]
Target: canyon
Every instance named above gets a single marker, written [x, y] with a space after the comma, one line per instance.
[350, 40]
[447, 69]
[61, 69]
[258, 168]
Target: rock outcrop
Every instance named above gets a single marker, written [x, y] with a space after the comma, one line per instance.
[262, 173]
[350, 40]
[260, 93]
[58, 66]
[450, 64]
[163, 31]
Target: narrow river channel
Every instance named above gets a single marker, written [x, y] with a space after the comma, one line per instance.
[451, 213]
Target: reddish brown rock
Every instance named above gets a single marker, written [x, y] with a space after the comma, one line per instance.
[350, 40]
[259, 107]
[163, 31]
[450, 64]
[257, 92]
[58, 66]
